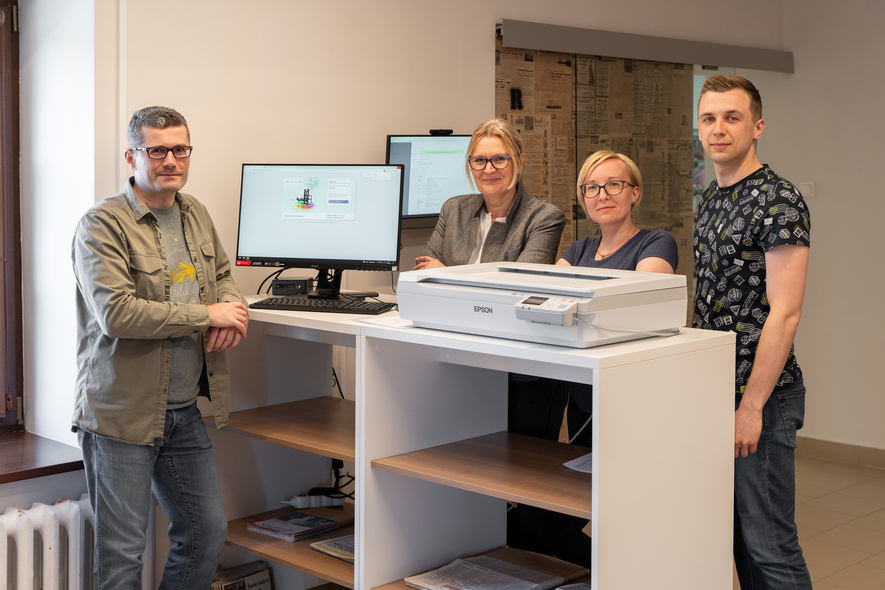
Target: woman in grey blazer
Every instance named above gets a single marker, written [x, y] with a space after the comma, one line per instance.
[504, 223]
[501, 222]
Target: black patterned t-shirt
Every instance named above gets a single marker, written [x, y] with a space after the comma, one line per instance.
[736, 226]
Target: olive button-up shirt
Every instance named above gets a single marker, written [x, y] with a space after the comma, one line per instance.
[125, 321]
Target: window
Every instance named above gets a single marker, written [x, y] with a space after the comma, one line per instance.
[11, 365]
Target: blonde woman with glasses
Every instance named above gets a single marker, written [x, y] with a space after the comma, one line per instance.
[501, 222]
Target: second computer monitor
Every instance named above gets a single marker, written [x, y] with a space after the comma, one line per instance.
[435, 171]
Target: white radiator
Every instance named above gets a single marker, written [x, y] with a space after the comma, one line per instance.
[47, 547]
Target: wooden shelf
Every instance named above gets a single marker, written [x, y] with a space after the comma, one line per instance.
[321, 425]
[569, 572]
[24, 455]
[513, 467]
[297, 555]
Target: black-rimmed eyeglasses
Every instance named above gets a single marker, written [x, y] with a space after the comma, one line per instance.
[159, 152]
[480, 163]
[612, 188]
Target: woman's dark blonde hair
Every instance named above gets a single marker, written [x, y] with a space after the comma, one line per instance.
[508, 135]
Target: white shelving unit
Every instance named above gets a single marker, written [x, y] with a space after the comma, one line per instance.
[280, 385]
[435, 467]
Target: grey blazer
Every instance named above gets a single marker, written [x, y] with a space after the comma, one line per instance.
[530, 233]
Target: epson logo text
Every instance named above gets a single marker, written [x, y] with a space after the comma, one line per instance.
[481, 309]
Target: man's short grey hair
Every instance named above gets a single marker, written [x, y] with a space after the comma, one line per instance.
[156, 117]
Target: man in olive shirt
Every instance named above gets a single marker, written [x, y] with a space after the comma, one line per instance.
[156, 311]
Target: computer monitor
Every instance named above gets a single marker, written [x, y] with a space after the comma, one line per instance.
[435, 171]
[329, 217]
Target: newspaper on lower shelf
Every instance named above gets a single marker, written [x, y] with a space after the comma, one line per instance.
[340, 547]
[248, 576]
[292, 526]
[483, 573]
[583, 463]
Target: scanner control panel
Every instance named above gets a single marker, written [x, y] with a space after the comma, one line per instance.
[559, 311]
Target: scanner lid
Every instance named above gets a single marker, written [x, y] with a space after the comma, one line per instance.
[571, 281]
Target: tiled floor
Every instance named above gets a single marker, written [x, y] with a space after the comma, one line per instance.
[840, 510]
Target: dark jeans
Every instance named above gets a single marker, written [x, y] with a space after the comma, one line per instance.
[767, 554]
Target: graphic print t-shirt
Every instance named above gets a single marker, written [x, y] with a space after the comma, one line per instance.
[736, 226]
[187, 351]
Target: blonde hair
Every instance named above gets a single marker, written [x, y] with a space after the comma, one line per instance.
[596, 158]
[508, 135]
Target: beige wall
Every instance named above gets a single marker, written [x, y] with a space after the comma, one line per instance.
[298, 81]
[823, 125]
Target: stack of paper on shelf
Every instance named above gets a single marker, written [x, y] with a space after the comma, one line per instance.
[340, 547]
[482, 572]
[248, 576]
[292, 526]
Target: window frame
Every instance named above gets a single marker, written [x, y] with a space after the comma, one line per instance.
[11, 361]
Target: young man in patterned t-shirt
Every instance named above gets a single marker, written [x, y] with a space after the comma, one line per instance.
[751, 255]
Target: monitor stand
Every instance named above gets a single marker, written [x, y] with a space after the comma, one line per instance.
[328, 284]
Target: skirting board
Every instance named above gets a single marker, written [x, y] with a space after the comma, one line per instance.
[840, 452]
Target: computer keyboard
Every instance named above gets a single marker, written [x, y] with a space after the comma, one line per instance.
[329, 305]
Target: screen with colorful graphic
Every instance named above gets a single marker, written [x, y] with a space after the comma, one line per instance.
[323, 216]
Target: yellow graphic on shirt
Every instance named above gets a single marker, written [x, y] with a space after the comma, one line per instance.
[175, 245]
[184, 273]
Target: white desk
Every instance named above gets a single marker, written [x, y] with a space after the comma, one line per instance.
[660, 499]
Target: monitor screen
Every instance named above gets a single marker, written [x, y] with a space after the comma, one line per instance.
[330, 217]
[435, 171]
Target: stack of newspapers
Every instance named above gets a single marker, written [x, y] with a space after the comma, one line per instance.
[483, 573]
[248, 576]
[340, 547]
[292, 526]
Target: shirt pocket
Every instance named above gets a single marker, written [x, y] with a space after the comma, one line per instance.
[207, 258]
[147, 272]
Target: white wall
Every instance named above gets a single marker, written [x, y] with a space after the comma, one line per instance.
[58, 143]
[823, 125]
[46, 490]
[289, 81]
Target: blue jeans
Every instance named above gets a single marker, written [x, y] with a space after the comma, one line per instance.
[181, 472]
[767, 554]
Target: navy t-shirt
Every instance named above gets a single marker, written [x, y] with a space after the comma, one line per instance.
[645, 244]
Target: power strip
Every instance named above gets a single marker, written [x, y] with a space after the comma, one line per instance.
[306, 501]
